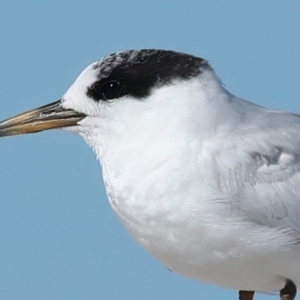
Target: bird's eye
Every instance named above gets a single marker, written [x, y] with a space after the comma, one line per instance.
[111, 90]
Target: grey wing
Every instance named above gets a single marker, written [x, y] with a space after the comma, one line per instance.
[269, 170]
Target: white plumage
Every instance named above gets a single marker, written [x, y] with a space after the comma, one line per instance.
[205, 181]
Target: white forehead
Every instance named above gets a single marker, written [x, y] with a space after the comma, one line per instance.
[90, 74]
[144, 69]
[78, 89]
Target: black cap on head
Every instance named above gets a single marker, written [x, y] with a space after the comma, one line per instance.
[135, 72]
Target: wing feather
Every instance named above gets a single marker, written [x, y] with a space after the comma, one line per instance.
[262, 169]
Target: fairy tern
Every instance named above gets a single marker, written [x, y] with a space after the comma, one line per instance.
[205, 181]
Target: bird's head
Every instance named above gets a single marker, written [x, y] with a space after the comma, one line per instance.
[125, 90]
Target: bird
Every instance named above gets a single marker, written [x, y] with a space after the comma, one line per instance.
[205, 181]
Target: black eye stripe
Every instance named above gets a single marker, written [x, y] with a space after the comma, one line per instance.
[137, 72]
[107, 90]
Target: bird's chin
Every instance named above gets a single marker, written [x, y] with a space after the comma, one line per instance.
[74, 129]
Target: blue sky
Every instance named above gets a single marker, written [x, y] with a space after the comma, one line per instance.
[59, 239]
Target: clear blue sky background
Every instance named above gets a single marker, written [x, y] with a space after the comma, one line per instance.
[58, 236]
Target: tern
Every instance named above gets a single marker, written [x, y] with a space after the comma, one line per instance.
[205, 181]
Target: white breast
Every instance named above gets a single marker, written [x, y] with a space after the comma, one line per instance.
[164, 181]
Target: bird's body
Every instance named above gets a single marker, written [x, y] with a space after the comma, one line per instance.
[205, 181]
